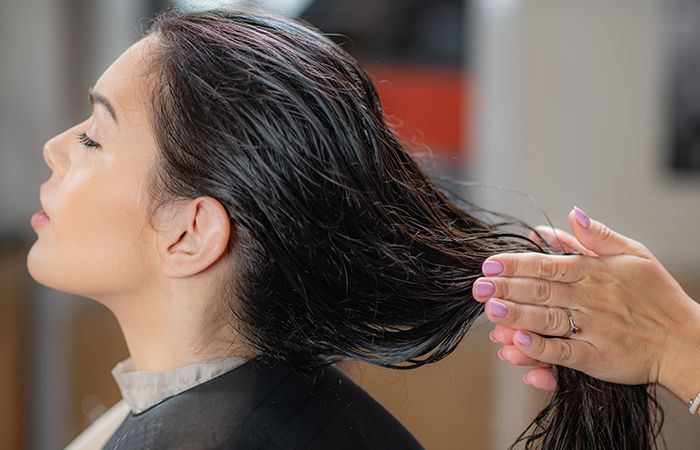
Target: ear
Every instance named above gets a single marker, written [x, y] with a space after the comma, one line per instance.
[196, 237]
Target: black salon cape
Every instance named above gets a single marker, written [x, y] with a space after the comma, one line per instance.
[266, 406]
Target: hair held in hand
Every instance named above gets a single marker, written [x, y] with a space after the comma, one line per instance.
[343, 247]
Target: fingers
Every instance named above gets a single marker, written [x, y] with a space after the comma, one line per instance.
[563, 241]
[561, 268]
[541, 378]
[523, 290]
[562, 352]
[542, 320]
[514, 356]
[597, 237]
[501, 334]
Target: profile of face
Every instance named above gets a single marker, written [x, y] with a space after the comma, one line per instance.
[97, 243]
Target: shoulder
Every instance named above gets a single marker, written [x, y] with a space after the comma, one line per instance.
[262, 405]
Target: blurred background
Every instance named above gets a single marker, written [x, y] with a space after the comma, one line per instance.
[544, 103]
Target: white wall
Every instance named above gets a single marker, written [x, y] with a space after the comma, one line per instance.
[29, 97]
[570, 109]
[578, 118]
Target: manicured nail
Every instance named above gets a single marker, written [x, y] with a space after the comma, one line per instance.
[485, 288]
[525, 380]
[497, 308]
[492, 268]
[492, 338]
[523, 338]
[582, 218]
[500, 354]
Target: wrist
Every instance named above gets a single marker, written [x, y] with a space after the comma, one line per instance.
[680, 371]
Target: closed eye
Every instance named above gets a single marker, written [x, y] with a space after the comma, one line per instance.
[86, 141]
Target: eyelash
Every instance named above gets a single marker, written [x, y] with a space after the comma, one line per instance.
[86, 141]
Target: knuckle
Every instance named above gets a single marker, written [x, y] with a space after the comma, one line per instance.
[503, 289]
[606, 233]
[511, 265]
[547, 268]
[543, 290]
[566, 352]
[552, 320]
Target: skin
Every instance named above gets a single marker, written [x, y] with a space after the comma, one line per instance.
[637, 325]
[157, 281]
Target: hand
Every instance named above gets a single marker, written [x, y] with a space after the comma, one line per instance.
[541, 377]
[637, 325]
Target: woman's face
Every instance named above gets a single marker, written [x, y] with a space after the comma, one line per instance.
[97, 242]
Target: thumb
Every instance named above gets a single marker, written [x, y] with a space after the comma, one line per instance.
[599, 238]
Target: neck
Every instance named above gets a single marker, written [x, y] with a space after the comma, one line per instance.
[165, 328]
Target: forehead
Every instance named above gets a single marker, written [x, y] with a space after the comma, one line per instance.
[125, 83]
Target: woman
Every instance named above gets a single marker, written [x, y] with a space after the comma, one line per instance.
[238, 202]
[635, 324]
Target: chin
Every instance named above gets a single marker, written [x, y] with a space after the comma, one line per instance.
[46, 272]
[34, 263]
[71, 274]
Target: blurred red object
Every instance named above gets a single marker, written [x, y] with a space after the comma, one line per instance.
[427, 104]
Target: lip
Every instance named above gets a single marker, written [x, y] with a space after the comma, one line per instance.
[39, 219]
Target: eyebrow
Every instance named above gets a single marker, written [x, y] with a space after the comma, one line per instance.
[102, 100]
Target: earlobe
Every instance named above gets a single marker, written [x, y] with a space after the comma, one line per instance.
[202, 229]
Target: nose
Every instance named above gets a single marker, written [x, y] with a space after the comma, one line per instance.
[47, 156]
[56, 152]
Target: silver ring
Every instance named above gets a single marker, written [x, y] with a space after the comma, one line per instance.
[573, 329]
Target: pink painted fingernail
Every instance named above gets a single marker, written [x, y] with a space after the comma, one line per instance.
[485, 288]
[525, 380]
[581, 217]
[492, 268]
[497, 308]
[523, 338]
[500, 354]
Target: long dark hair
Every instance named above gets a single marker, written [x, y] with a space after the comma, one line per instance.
[342, 246]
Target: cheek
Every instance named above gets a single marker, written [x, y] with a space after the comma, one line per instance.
[96, 241]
